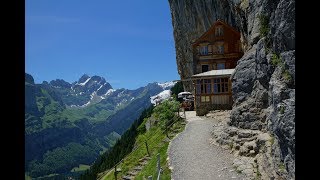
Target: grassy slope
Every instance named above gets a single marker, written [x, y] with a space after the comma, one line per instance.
[82, 167]
[155, 138]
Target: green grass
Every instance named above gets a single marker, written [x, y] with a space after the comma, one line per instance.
[26, 177]
[275, 60]
[282, 108]
[82, 167]
[286, 76]
[258, 174]
[156, 145]
[272, 140]
[264, 25]
[282, 167]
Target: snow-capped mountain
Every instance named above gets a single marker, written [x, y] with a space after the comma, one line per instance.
[163, 95]
[91, 90]
[87, 90]
[88, 112]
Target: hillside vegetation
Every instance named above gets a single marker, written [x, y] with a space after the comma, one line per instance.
[155, 127]
[62, 133]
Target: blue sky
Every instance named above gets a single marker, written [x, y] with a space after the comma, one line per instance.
[129, 43]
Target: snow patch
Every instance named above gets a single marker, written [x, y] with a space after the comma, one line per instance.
[122, 102]
[99, 88]
[167, 85]
[166, 94]
[84, 83]
[120, 94]
[108, 93]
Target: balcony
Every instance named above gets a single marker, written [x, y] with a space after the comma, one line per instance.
[211, 55]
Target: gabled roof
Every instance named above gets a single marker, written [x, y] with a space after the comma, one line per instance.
[220, 72]
[212, 28]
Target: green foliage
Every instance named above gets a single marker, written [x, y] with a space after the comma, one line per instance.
[150, 168]
[258, 174]
[286, 76]
[275, 60]
[122, 147]
[166, 112]
[271, 140]
[282, 108]
[282, 167]
[264, 25]
[176, 89]
[62, 159]
[156, 144]
[82, 167]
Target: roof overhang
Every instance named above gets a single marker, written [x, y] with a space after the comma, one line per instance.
[214, 73]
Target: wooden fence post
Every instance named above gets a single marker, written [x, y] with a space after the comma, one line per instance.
[167, 132]
[158, 162]
[158, 166]
[147, 148]
[115, 172]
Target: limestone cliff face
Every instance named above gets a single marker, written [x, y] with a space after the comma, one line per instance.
[263, 83]
[190, 19]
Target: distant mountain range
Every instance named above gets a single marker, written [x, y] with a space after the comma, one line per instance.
[67, 124]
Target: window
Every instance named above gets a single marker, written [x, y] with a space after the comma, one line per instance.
[220, 49]
[205, 68]
[198, 86]
[221, 66]
[205, 98]
[220, 85]
[203, 86]
[204, 50]
[219, 31]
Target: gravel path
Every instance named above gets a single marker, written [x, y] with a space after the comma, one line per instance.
[192, 156]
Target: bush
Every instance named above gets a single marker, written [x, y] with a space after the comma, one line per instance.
[264, 25]
[165, 112]
[275, 59]
[286, 76]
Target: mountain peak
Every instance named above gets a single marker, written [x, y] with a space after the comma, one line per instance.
[83, 78]
[60, 83]
[29, 78]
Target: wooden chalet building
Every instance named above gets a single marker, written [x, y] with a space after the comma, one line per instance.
[215, 55]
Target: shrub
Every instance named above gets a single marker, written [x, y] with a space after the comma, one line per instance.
[282, 108]
[286, 76]
[264, 25]
[275, 59]
[166, 111]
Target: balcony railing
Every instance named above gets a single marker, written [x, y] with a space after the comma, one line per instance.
[217, 55]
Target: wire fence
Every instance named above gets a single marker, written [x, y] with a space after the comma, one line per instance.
[142, 145]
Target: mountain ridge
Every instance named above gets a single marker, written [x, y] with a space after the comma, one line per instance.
[54, 127]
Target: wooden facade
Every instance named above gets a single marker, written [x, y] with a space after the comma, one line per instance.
[217, 49]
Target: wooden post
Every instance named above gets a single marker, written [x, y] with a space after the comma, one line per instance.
[147, 148]
[158, 166]
[184, 113]
[158, 162]
[167, 132]
[115, 172]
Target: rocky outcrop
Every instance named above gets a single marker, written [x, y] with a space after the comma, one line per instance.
[263, 83]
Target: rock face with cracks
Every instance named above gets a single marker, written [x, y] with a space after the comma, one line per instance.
[263, 83]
